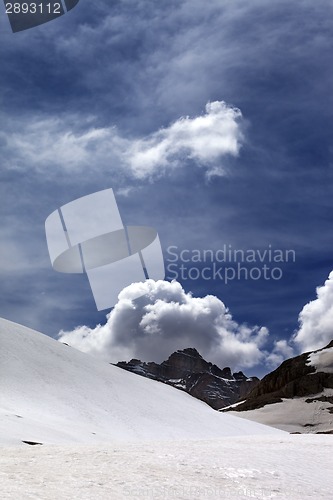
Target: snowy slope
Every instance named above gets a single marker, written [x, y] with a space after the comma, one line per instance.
[322, 360]
[295, 415]
[53, 394]
[312, 413]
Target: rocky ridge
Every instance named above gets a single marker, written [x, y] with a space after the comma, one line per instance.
[295, 377]
[188, 371]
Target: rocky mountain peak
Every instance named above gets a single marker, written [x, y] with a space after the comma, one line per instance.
[189, 351]
[187, 370]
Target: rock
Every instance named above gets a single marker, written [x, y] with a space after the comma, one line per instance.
[187, 370]
[293, 378]
[32, 443]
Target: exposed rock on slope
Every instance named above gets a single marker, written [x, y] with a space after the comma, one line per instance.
[187, 370]
[297, 396]
[295, 377]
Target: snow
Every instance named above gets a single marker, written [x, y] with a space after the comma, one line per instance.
[292, 467]
[294, 415]
[232, 406]
[322, 360]
[110, 434]
[140, 369]
[226, 380]
[54, 394]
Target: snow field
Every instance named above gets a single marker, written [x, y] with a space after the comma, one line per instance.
[293, 467]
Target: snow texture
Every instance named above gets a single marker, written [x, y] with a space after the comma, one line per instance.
[262, 467]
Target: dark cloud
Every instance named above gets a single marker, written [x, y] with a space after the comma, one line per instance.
[137, 67]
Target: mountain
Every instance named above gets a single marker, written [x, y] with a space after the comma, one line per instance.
[297, 396]
[54, 394]
[187, 370]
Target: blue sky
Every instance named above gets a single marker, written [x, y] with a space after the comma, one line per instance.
[82, 94]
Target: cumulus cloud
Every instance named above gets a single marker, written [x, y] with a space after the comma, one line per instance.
[282, 350]
[167, 318]
[316, 319]
[205, 139]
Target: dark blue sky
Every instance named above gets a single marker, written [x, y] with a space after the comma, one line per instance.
[129, 68]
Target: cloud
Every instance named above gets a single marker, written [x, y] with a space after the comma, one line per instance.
[43, 143]
[282, 350]
[167, 318]
[205, 139]
[140, 66]
[316, 319]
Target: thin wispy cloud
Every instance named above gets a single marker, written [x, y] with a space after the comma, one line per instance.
[204, 139]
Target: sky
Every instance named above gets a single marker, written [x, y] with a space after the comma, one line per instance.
[212, 123]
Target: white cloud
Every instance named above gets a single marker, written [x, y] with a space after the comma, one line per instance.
[44, 143]
[204, 139]
[125, 191]
[316, 319]
[41, 144]
[167, 318]
[281, 351]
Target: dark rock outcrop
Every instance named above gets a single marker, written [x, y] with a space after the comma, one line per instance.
[32, 443]
[187, 370]
[294, 378]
